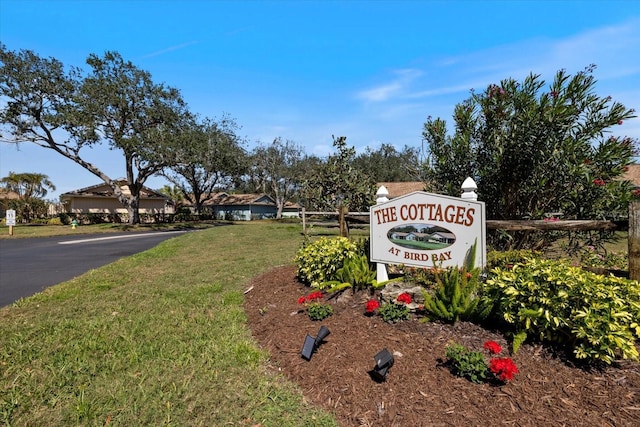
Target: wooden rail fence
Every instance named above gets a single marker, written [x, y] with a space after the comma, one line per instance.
[344, 220]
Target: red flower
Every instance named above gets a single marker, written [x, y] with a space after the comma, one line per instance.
[599, 182]
[405, 298]
[503, 368]
[372, 305]
[493, 347]
[312, 296]
[619, 122]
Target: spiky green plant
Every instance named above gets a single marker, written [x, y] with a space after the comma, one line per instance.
[455, 296]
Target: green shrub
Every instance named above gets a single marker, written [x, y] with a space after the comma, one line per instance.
[54, 221]
[507, 259]
[392, 312]
[420, 276]
[65, 218]
[597, 316]
[319, 311]
[455, 295]
[318, 261]
[39, 221]
[610, 260]
[466, 363]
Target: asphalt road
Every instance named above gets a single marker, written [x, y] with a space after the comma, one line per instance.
[28, 266]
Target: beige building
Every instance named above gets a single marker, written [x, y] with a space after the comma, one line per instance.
[100, 199]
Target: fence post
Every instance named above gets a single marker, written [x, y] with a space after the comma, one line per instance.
[634, 240]
[342, 211]
[304, 221]
[469, 188]
[381, 269]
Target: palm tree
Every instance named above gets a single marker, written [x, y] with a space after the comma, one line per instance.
[175, 195]
[28, 185]
[31, 188]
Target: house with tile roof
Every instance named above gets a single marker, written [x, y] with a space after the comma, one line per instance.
[247, 207]
[99, 201]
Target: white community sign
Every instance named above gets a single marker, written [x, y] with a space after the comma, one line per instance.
[428, 230]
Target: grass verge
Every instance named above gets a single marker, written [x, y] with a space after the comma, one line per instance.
[28, 230]
[158, 338]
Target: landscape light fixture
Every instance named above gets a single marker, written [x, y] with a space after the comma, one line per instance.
[311, 344]
[384, 362]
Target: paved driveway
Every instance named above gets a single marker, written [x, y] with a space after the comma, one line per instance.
[28, 266]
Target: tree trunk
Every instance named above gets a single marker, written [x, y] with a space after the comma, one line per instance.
[280, 206]
[134, 212]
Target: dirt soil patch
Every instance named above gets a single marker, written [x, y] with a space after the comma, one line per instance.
[419, 390]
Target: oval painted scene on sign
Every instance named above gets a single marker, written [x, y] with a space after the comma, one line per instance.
[421, 237]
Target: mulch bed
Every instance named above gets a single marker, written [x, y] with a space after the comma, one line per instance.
[419, 390]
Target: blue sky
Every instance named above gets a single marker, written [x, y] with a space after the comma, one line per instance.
[306, 70]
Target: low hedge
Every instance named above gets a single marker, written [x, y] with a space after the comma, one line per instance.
[597, 316]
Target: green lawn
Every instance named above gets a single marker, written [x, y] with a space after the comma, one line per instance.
[158, 338]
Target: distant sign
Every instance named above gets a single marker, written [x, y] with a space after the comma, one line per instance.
[425, 230]
[11, 217]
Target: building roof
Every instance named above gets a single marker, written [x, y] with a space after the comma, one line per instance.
[226, 199]
[397, 189]
[239, 199]
[8, 195]
[632, 174]
[103, 190]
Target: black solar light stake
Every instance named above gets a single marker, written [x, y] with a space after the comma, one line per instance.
[384, 362]
[311, 344]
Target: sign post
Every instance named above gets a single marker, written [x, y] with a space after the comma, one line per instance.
[11, 220]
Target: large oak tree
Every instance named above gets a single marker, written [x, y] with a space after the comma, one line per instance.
[278, 170]
[116, 104]
[211, 157]
[387, 164]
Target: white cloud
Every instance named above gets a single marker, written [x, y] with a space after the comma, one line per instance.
[399, 84]
[380, 93]
[614, 49]
[170, 49]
